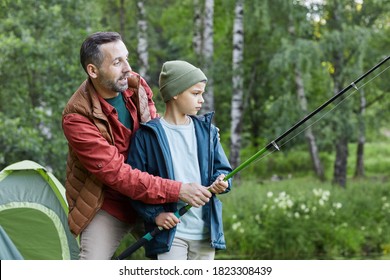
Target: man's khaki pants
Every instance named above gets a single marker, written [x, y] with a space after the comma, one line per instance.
[101, 238]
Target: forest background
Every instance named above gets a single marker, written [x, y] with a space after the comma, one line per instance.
[269, 63]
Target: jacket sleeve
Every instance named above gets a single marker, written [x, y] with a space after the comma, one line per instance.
[106, 163]
[147, 212]
[221, 164]
[137, 159]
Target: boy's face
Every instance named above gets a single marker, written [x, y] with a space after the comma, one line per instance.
[190, 101]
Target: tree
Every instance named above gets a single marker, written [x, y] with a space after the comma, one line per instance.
[39, 69]
[359, 169]
[345, 34]
[203, 46]
[302, 100]
[122, 16]
[309, 135]
[237, 81]
[376, 15]
[142, 48]
[208, 53]
[197, 40]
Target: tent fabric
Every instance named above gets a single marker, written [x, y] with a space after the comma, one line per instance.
[33, 213]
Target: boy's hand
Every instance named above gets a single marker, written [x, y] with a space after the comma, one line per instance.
[167, 220]
[219, 185]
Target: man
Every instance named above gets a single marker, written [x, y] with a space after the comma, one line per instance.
[98, 122]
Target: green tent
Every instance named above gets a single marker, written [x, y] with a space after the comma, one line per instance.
[33, 215]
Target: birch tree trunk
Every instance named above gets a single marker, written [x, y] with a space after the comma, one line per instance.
[359, 169]
[203, 45]
[309, 135]
[310, 138]
[208, 52]
[197, 33]
[142, 47]
[122, 12]
[237, 79]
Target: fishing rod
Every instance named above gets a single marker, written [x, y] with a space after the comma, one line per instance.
[272, 145]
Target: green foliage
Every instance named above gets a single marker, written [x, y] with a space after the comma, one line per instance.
[305, 219]
[376, 159]
[293, 161]
[39, 67]
[18, 141]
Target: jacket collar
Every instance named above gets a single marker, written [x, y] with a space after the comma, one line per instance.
[99, 106]
[206, 118]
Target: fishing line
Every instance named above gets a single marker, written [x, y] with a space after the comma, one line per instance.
[320, 118]
[356, 89]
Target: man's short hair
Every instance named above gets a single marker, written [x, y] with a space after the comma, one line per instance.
[90, 49]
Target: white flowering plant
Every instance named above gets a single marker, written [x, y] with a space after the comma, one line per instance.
[302, 219]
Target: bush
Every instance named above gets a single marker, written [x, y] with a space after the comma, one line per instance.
[304, 219]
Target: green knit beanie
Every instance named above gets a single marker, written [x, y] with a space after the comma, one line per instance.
[176, 76]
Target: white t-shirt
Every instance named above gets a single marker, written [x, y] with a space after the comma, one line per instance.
[184, 150]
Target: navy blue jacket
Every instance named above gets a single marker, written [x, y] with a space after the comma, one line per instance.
[149, 151]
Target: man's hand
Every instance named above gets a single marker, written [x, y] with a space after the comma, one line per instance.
[194, 194]
[219, 185]
[167, 220]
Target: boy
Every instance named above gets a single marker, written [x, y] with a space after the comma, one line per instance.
[182, 146]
